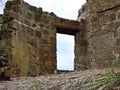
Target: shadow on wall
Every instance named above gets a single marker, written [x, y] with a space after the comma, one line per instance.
[4, 67]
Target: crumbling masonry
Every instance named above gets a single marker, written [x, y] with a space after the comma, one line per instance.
[28, 36]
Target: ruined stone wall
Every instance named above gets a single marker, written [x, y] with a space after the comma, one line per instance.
[33, 40]
[31, 45]
[103, 32]
[28, 36]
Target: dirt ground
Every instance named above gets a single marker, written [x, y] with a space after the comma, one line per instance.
[63, 81]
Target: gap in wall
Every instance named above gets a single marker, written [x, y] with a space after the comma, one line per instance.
[65, 52]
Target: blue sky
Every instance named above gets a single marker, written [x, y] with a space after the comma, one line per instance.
[65, 52]
[65, 44]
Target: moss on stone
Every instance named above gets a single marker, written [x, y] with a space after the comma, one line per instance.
[1, 21]
[5, 27]
[113, 1]
[8, 4]
[1, 48]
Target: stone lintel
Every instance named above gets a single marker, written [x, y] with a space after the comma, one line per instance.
[67, 29]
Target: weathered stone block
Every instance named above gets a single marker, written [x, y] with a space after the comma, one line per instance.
[26, 21]
[17, 9]
[33, 42]
[29, 15]
[112, 1]
[44, 41]
[30, 32]
[8, 5]
[118, 42]
[83, 43]
[41, 25]
[17, 2]
[39, 10]
[38, 34]
[52, 40]
[119, 15]
[32, 70]
[37, 17]
[112, 17]
[33, 9]
[45, 32]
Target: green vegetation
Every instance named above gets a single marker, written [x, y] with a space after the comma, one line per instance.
[110, 80]
[1, 48]
[6, 27]
[1, 21]
[106, 81]
[36, 86]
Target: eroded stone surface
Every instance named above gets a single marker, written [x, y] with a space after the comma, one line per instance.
[31, 45]
[28, 36]
[102, 27]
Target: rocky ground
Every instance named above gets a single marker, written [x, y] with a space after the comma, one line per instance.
[63, 81]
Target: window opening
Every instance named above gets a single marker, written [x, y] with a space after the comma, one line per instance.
[65, 52]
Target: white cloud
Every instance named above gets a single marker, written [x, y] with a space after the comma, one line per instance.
[63, 8]
[2, 4]
[65, 62]
[65, 52]
[71, 8]
[44, 3]
[65, 43]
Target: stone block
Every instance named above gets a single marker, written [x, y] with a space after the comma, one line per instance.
[83, 51]
[39, 11]
[32, 69]
[41, 24]
[83, 43]
[38, 34]
[44, 41]
[45, 32]
[37, 17]
[33, 42]
[33, 9]
[27, 21]
[30, 32]
[112, 1]
[17, 9]
[8, 5]
[119, 16]
[112, 17]
[17, 2]
[116, 25]
[118, 42]
[29, 15]
[52, 40]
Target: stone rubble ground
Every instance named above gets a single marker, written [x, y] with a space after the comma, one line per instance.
[63, 81]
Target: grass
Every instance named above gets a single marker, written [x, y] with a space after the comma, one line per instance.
[99, 81]
[110, 80]
[36, 86]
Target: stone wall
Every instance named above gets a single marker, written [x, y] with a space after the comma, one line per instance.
[31, 42]
[28, 36]
[103, 32]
